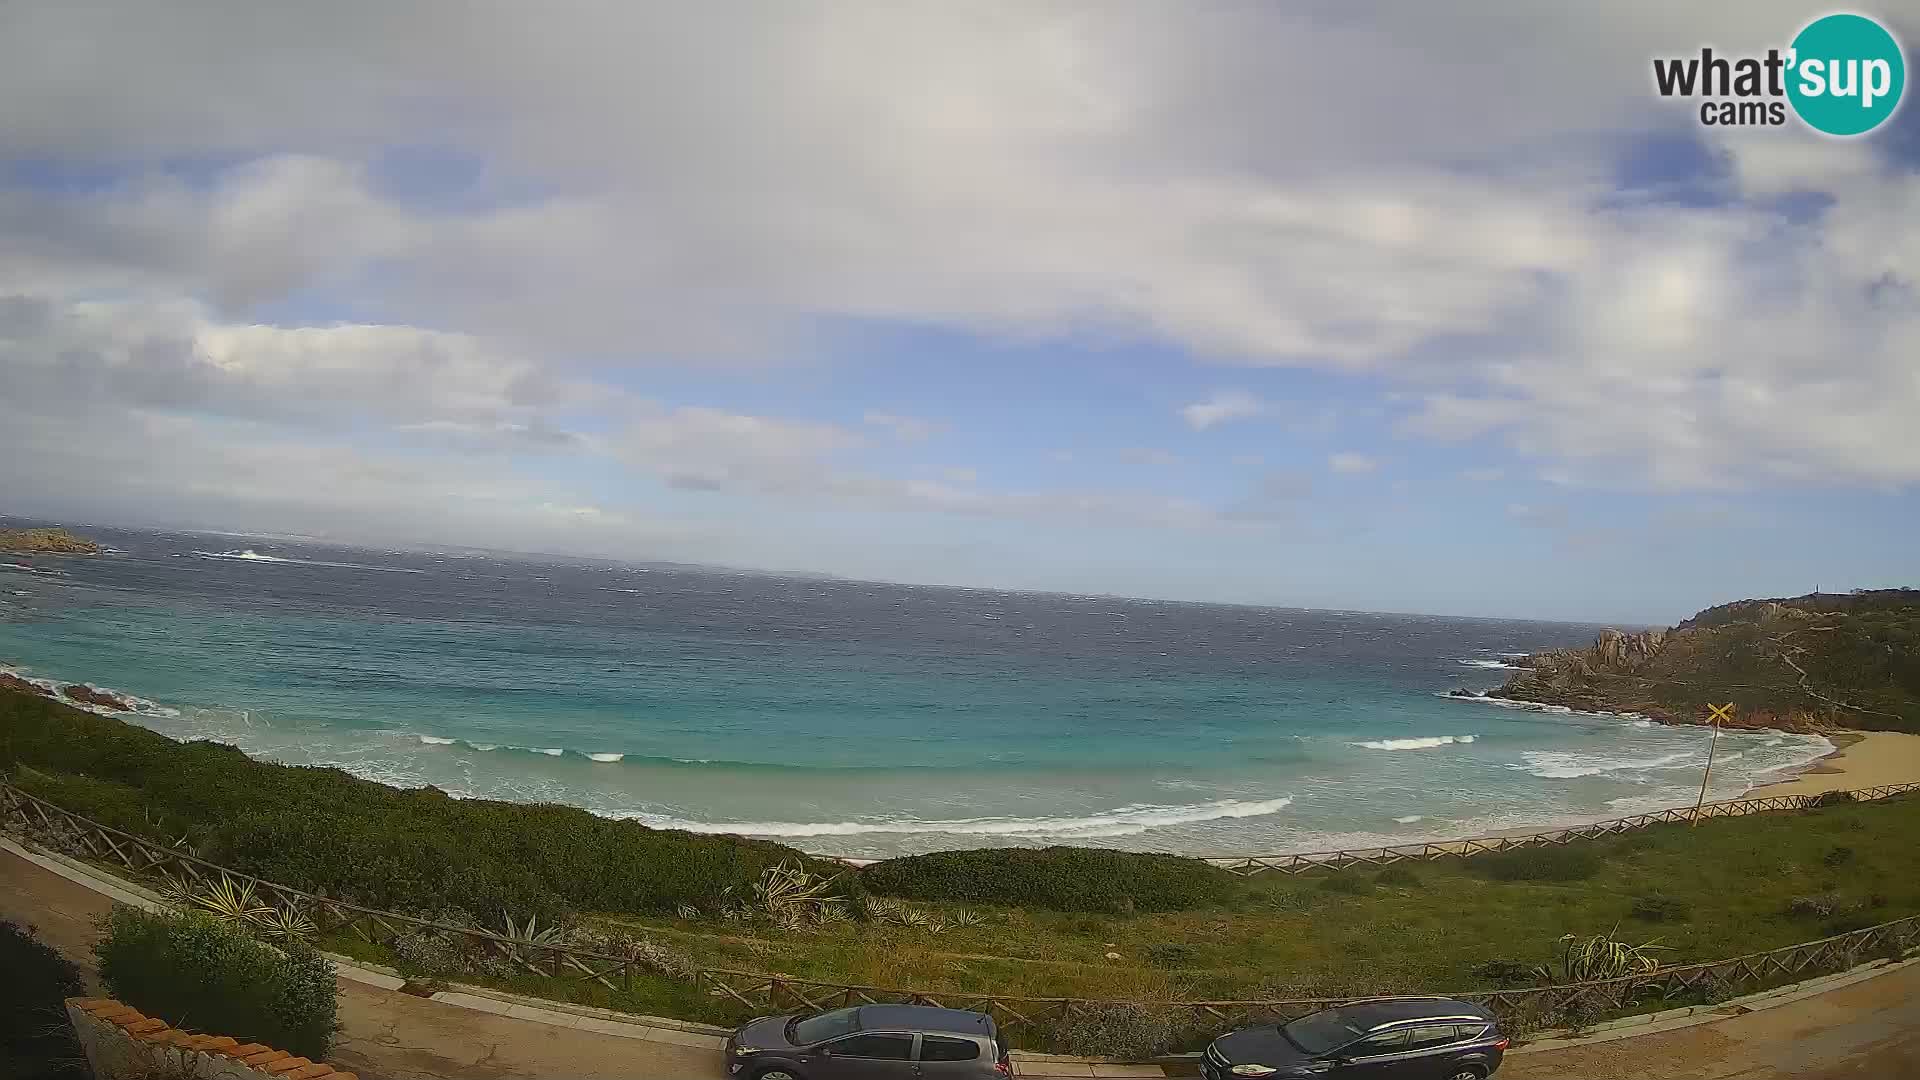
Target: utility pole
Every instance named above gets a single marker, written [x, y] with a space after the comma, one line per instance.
[1715, 714]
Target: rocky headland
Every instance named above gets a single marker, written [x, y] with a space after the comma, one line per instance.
[1817, 663]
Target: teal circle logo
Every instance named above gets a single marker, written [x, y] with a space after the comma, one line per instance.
[1846, 74]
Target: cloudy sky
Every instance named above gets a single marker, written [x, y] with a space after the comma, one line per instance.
[1408, 306]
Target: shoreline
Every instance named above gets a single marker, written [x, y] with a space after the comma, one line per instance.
[1860, 759]
[1881, 758]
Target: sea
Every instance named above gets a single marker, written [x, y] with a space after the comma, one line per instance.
[849, 718]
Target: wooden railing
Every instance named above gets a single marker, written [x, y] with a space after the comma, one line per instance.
[43, 823]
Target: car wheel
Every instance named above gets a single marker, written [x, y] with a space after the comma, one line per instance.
[776, 1073]
[1468, 1072]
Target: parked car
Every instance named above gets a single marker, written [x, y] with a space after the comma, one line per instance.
[1382, 1039]
[870, 1042]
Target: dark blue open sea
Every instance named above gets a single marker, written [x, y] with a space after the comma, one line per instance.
[846, 717]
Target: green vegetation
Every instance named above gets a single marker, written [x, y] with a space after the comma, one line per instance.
[325, 831]
[1824, 660]
[36, 1039]
[194, 971]
[1060, 878]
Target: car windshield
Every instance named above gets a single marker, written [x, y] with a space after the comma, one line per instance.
[825, 1026]
[1321, 1032]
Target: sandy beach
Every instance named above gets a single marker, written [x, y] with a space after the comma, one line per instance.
[1864, 759]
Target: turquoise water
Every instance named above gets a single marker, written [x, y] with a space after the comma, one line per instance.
[847, 717]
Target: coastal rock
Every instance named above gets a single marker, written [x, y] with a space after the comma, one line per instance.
[16, 683]
[46, 542]
[87, 695]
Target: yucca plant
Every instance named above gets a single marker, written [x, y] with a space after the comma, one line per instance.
[1599, 957]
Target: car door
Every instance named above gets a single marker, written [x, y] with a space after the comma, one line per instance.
[949, 1057]
[1372, 1058]
[1426, 1053]
[867, 1055]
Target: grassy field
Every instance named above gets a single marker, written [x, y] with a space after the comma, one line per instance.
[1728, 887]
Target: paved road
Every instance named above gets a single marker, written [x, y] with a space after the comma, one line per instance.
[1868, 1031]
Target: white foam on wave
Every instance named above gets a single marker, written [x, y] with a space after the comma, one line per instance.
[435, 740]
[1124, 821]
[139, 706]
[251, 556]
[1410, 819]
[605, 757]
[1492, 665]
[482, 747]
[1568, 765]
[1426, 743]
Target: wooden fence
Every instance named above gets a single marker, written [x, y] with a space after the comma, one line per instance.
[1523, 1009]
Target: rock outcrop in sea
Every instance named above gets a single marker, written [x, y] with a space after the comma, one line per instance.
[46, 542]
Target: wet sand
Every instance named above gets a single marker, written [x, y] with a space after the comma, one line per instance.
[1864, 759]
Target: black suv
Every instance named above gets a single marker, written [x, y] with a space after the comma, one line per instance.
[1382, 1039]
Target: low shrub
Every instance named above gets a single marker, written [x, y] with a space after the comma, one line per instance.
[1128, 1032]
[1831, 798]
[36, 1039]
[1398, 874]
[1169, 954]
[1061, 878]
[1553, 862]
[194, 971]
[1350, 884]
[1817, 906]
[1838, 856]
[1658, 908]
[1505, 973]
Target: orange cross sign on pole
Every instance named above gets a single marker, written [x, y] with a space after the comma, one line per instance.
[1716, 715]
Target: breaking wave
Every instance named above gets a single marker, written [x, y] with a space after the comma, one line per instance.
[1426, 743]
[1125, 821]
[252, 556]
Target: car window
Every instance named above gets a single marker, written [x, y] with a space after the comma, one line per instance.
[1429, 1036]
[1472, 1031]
[826, 1026]
[1387, 1042]
[941, 1048]
[885, 1046]
[1322, 1031]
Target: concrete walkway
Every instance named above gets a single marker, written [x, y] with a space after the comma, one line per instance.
[1868, 1029]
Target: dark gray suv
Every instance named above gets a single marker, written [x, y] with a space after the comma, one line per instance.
[870, 1042]
[1382, 1039]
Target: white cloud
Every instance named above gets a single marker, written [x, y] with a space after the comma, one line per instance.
[905, 428]
[1221, 408]
[1349, 462]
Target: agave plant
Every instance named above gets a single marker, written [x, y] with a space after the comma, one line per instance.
[231, 901]
[687, 911]
[968, 917]
[285, 924]
[789, 896]
[1601, 956]
[531, 933]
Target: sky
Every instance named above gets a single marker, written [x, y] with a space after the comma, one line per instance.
[1389, 306]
